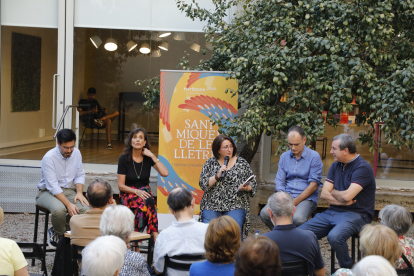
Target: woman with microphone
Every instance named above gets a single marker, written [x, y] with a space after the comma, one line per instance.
[222, 181]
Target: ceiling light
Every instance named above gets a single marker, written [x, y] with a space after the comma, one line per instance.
[164, 34]
[195, 47]
[156, 53]
[110, 44]
[179, 36]
[145, 49]
[131, 45]
[96, 41]
[164, 46]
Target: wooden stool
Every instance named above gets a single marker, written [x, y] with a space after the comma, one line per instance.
[355, 236]
[46, 213]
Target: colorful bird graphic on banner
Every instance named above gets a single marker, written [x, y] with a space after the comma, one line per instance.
[172, 181]
[167, 85]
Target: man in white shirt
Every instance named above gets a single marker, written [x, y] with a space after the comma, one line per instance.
[61, 169]
[185, 236]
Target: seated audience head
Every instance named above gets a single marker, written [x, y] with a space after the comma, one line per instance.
[280, 205]
[180, 199]
[397, 218]
[1, 215]
[216, 147]
[373, 266]
[380, 240]
[117, 221]
[222, 240]
[104, 256]
[258, 256]
[99, 193]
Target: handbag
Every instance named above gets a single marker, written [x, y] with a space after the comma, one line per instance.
[408, 271]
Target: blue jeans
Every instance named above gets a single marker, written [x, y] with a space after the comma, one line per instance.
[239, 215]
[339, 227]
[303, 210]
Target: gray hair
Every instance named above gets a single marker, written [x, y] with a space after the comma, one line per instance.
[347, 141]
[397, 218]
[281, 204]
[103, 256]
[374, 266]
[118, 221]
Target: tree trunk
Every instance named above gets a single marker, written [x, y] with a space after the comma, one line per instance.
[249, 151]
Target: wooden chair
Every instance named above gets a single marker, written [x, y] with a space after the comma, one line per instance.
[171, 262]
[149, 250]
[297, 268]
[353, 238]
[36, 253]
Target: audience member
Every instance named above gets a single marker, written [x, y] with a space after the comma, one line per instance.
[377, 240]
[104, 256]
[374, 266]
[299, 174]
[185, 236]
[119, 221]
[349, 188]
[12, 261]
[85, 228]
[258, 256]
[221, 245]
[294, 244]
[61, 169]
[399, 219]
[92, 114]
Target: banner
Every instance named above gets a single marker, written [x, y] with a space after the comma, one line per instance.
[187, 100]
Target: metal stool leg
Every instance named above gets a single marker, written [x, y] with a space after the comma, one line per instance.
[35, 231]
[150, 250]
[353, 248]
[332, 261]
[44, 243]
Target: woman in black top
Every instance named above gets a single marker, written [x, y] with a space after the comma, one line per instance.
[134, 169]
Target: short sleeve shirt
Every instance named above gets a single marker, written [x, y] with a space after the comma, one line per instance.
[296, 245]
[357, 171]
[11, 257]
[132, 170]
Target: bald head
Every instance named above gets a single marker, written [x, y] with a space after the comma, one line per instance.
[179, 198]
[99, 193]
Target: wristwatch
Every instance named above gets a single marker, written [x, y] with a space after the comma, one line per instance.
[158, 160]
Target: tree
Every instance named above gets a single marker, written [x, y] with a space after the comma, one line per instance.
[321, 55]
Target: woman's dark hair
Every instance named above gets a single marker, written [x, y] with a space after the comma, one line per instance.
[128, 146]
[258, 256]
[65, 135]
[222, 240]
[215, 147]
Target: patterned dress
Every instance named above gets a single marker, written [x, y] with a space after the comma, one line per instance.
[224, 196]
[407, 245]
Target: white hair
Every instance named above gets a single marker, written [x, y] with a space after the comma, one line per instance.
[103, 256]
[118, 221]
[374, 266]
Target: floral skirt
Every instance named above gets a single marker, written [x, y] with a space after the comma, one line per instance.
[145, 211]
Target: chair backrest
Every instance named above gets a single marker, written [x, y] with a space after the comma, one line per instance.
[182, 262]
[405, 272]
[297, 268]
[36, 253]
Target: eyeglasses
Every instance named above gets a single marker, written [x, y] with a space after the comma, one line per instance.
[68, 148]
[227, 147]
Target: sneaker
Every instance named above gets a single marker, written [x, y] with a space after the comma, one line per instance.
[109, 146]
[53, 238]
[99, 122]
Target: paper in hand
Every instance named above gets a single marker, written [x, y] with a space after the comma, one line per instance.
[252, 177]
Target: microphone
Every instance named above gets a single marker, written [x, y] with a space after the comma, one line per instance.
[226, 161]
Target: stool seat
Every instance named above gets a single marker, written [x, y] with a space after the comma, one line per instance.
[44, 210]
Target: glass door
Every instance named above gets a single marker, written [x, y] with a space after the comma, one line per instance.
[32, 77]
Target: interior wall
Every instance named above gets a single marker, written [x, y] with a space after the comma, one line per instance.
[26, 127]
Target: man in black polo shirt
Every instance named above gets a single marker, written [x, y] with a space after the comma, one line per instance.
[349, 188]
[92, 114]
[294, 244]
